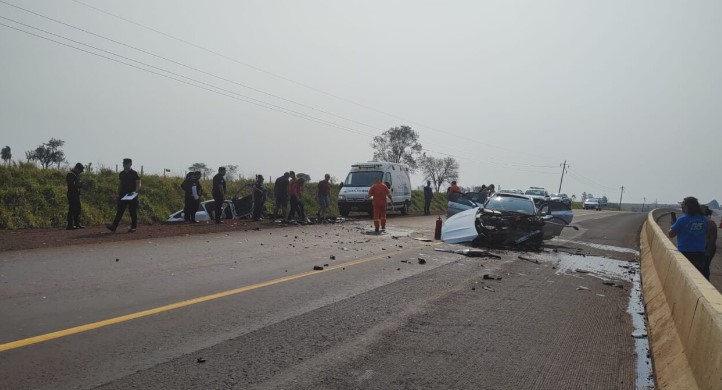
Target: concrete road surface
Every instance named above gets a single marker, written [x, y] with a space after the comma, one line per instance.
[247, 310]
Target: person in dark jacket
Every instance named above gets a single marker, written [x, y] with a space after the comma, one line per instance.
[259, 198]
[193, 196]
[219, 193]
[74, 187]
[128, 188]
[185, 186]
[280, 192]
[428, 196]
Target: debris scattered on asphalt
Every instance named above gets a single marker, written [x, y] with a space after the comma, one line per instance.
[332, 257]
[404, 261]
[640, 334]
[491, 277]
[398, 269]
[473, 289]
[535, 261]
[583, 288]
[325, 265]
[613, 284]
[422, 239]
[581, 271]
[117, 259]
[422, 261]
[487, 288]
[601, 295]
[201, 360]
[317, 268]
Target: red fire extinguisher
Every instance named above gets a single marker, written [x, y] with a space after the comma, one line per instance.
[437, 231]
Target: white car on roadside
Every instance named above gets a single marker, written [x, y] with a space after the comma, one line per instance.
[591, 204]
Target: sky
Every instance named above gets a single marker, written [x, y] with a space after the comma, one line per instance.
[627, 93]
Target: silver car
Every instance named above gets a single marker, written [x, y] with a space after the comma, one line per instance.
[465, 201]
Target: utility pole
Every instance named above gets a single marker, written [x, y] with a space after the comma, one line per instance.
[564, 168]
[620, 198]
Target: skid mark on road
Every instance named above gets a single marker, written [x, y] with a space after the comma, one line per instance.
[178, 305]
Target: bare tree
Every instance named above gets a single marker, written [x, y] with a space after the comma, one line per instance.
[47, 153]
[7, 154]
[439, 170]
[398, 145]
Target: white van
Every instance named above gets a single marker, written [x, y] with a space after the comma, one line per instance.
[354, 193]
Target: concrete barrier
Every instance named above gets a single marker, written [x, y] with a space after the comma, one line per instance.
[684, 313]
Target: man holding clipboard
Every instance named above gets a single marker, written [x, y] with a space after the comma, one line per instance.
[127, 196]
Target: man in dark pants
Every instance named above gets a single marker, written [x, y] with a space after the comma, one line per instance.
[428, 196]
[280, 192]
[219, 192]
[193, 196]
[127, 196]
[259, 198]
[74, 186]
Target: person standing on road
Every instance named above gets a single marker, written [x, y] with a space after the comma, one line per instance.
[219, 193]
[185, 186]
[259, 198]
[193, 195]
[711, 240]
[323, 194]
[378, 194]
[128, 189]
[428, 196]
[691, 232]
[74, 187]
[280, 192]
[295, 193]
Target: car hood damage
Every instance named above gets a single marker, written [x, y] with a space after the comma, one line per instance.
[493, 228]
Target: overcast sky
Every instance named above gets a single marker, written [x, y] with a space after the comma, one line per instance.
[629, 93]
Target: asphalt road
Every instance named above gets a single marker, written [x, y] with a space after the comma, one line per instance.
[247, 310]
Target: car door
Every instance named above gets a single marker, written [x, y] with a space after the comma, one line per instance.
[553, 225]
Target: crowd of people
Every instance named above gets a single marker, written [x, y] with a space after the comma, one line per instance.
[288, 189]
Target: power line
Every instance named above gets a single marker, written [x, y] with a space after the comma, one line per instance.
[257, 102]
[289, 79]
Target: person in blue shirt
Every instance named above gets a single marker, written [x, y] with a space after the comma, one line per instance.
[691, 232]
[428, 196]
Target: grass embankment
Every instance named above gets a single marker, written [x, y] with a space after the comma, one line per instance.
[36, 198]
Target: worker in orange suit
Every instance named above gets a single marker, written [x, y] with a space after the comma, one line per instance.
[378, 193]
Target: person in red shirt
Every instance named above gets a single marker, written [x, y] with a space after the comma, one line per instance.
[378, 193]
[454, 191]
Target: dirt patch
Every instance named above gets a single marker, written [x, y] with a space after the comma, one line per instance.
[11, 240]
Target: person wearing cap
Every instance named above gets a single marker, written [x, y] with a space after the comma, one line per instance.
[74, 187]
[691, 232]
[128, 188]
[219, 193]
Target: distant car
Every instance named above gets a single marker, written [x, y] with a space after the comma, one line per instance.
[537, 194]
[507, 219]
[561, 198]
[591, 204]
[236, 208]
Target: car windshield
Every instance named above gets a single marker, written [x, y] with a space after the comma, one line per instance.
[592, 201]
[362, 179]
[507, 203]
[534, 192]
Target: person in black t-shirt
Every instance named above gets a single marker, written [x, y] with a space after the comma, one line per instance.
[259, 198]
[127, 188]
[74, 186]
[219, 193]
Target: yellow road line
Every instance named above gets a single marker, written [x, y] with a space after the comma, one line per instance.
[178, 305]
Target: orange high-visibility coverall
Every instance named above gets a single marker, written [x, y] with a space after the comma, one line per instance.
[379, 192]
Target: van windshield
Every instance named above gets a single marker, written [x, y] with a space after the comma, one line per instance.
[362, 179]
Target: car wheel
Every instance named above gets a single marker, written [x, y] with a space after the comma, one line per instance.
[405, 209]
[344, 211]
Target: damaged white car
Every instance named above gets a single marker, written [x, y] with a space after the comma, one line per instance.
[508, 220]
